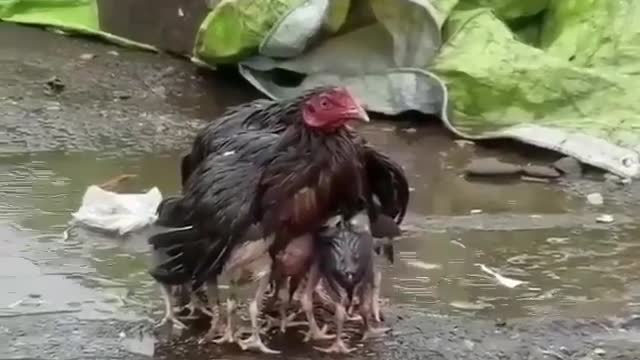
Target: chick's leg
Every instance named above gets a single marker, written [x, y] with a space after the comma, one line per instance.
[169, 313]
[368, 296]
[197, 304]
[214, 305]
[338, 345]
[314, 332]
[254, 342]
[228, 336]
[375, 301]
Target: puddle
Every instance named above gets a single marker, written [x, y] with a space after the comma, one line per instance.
[526, 232]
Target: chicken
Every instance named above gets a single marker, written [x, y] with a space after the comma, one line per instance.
[296, 180]
[386, 179]
[346, 267]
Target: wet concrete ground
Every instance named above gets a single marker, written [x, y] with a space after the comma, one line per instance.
[121, 111]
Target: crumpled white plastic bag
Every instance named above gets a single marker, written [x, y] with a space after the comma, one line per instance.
[121, 213]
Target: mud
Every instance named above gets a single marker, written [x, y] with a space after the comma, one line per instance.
[77, 294]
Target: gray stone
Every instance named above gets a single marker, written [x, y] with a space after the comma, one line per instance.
[491, 166]
[541, 171]
[569, 166]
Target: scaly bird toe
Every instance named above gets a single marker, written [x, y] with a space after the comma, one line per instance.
[254, 342]
[374, 333]
[174, 320]
[318, 334]
[227, 337]
[338, 347]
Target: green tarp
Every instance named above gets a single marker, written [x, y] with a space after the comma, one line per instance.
[559, 74]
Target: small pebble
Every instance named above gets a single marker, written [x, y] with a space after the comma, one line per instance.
[605, 218]
[475, 211]
[599, 351]
[87, 56]
[122, 95]
[113, 53]
[595, 199]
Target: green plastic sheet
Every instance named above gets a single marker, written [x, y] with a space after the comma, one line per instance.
[559, 74]
[73, 16]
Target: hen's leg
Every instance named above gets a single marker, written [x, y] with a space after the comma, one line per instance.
[169, 313]
[315, 332]
[368, 297]
[338, 345]
[254, 341]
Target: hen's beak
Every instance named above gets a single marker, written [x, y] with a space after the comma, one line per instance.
[358, 113]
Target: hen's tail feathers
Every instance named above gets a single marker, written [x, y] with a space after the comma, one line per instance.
[173, 238]
[172, 213]
[212, 263]
[389, 183]
[177, 245]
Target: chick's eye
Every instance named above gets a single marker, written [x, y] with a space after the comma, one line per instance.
[324, 103]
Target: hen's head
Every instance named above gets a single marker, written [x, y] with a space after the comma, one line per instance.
[331, 108]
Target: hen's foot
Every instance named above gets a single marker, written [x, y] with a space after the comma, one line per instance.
[227, 338]
[316, 333]
[374, 333]
[254, 342]
[338, 347]
[173, 319]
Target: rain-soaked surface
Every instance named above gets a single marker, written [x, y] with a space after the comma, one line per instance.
[544, 235]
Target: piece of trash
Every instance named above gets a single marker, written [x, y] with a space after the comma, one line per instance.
[121, 213]
[410, 130]
[122, 335]
[599, 351]
[113, 184]
[87, 56]
[423, 265]
[534, 179]
[113, 53]
[14, 304]
[475, 211]
[557, 240]
[503, 280]
[456, 242]
[227, 153]
[180, 12]
[463, 143]
[605, 218]
[465, 305]
[595, 199]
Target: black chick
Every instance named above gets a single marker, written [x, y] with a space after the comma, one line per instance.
[347, 269]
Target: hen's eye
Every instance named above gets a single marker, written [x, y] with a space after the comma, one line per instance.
[324, 103]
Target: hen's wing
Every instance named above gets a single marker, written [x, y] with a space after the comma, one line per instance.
[221, 196]
[388, 182]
